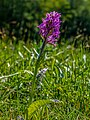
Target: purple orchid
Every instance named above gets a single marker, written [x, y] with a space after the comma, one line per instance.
[49, 28]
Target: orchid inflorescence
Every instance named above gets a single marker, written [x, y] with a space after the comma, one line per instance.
[50, 27]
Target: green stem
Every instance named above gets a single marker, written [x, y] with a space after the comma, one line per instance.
[36, 68]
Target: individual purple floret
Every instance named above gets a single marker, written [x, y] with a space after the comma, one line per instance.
[49, 28]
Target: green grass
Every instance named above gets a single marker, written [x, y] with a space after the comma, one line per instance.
[66, 81]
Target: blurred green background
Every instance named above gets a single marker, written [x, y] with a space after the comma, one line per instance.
[19, 19]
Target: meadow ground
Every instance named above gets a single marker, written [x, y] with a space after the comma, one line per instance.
[62, 86]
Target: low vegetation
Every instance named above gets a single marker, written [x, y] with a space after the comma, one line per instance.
[62, 90]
